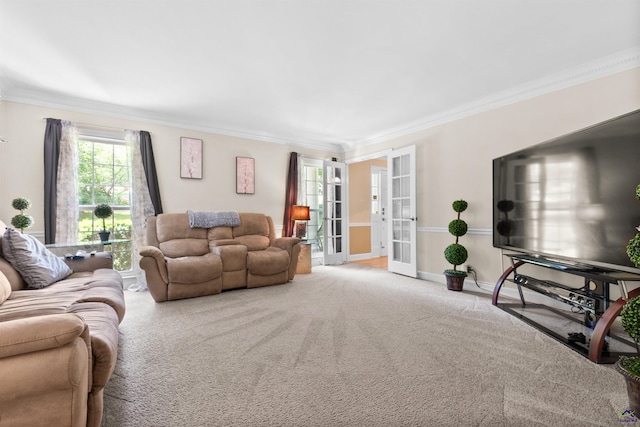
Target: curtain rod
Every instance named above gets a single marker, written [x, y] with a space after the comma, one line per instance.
[98, 126]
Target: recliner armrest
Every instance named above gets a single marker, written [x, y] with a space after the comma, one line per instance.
[157, 255]
[286, 243]
[31, 334]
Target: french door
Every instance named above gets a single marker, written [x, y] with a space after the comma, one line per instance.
[403, 219]
[335, 211]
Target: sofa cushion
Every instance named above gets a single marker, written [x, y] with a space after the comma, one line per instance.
[252, 223]
[198, 269]
[184, 247]
[267, 262]
[5, 288]
[37, 265]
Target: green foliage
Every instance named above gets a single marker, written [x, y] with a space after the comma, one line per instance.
[103, 174]
[630, 364]
[638, 192]
[22, 221]
[458, 227]
[21, 204]
[455, 254]
[633, 250]
[103, 211]
[630, 318]
[459, 206]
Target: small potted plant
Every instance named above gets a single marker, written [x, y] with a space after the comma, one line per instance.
[455, 253]
[21, 221]
[103, 211]
[629, 366]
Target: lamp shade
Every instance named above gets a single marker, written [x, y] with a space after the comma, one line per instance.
[300, 213]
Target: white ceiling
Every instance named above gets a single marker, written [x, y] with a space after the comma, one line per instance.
[322, 73]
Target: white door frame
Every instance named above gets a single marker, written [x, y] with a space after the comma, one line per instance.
[335, 199]
[403, 221]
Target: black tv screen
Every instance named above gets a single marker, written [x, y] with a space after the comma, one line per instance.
[572, 198]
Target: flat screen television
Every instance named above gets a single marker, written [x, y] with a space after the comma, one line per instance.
[572, 198]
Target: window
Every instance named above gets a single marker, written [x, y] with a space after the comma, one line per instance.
[104, 177]
[311, 180]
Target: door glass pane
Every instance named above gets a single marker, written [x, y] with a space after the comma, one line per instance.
[406, 253]
[396, 167]
[397, 251]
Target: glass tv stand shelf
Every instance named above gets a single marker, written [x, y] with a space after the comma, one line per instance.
[588, 323]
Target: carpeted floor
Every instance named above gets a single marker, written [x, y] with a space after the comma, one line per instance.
[349, 346]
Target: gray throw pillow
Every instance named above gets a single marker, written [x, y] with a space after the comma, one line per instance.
[38, 266]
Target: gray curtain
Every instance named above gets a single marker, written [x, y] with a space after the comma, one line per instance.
[149, 165]
[52, 136]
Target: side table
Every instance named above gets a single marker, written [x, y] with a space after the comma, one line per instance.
[304, 259]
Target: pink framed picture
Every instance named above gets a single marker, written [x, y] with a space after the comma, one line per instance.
[190, 158]
[245, 175]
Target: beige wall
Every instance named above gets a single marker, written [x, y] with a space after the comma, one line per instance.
[360, 205]
[454, 160]
[21, 165]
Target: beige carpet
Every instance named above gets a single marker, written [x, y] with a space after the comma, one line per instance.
[349, 346]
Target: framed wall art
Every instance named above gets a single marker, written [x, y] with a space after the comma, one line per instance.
[190, 158]
[245, 175]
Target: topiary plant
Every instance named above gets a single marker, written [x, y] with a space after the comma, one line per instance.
[21, 221]
[103, 211]
[455, 253]
[630, 319]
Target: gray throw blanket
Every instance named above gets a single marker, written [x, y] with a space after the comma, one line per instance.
[198, 219]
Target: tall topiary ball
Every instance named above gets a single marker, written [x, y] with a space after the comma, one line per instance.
[22, 221]
[456, 254]
[458, 227]
[459, 206]
[21, 204]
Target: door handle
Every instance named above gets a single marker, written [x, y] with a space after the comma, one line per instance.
[413, 219]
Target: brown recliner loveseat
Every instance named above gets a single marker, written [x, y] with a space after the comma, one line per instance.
[181, 261]
[58, 344]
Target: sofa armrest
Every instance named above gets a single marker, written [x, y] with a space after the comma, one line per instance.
[31, 334]
[45, 362]
[153, 262]
[155, 254]
[91, 262]
[286, 243]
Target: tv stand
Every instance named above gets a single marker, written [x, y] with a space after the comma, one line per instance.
[592, 310]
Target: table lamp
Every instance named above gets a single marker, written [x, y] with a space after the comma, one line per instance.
[300, 214]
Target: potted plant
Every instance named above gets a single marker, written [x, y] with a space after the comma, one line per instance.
[455, 253]
[21, 221]
[103, 211]
[629, 366]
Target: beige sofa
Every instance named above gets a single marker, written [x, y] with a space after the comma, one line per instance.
[183, 262]
[58, 345]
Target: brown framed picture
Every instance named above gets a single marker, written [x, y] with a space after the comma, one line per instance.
[245, 175]
[190, 158]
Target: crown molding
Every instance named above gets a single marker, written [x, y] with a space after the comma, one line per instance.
[125, 113]
[608, 65]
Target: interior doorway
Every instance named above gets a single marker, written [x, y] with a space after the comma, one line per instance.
[379, 232]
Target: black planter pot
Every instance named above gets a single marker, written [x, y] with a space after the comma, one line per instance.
[455, 281]
[104, 236]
